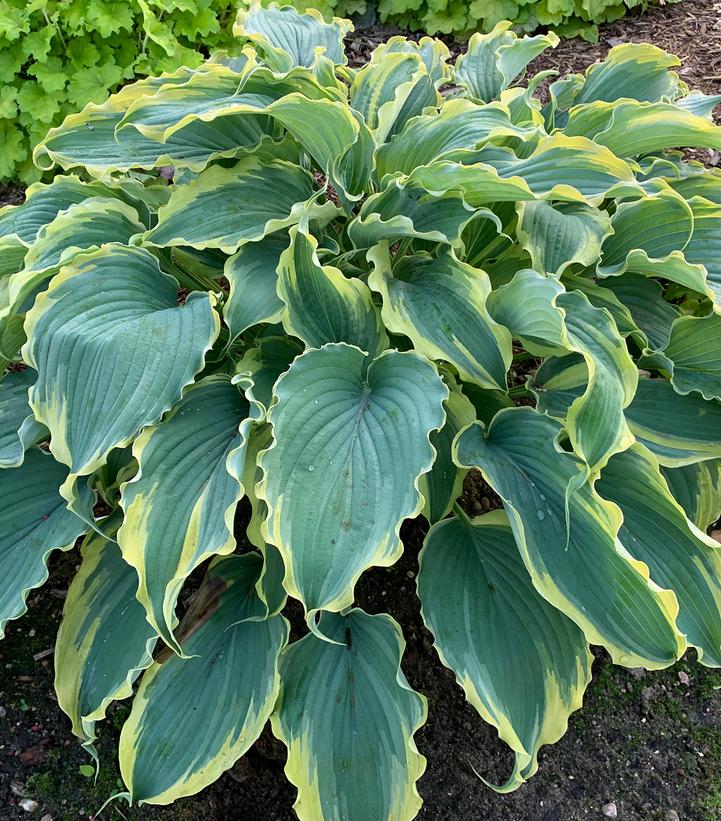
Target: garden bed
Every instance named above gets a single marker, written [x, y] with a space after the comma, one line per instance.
[650, 743]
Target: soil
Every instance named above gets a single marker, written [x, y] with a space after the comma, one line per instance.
[648, 742]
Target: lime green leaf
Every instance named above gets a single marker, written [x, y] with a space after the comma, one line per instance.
[37, 104]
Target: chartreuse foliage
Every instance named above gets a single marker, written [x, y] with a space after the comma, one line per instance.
[58, 55]
[329, 311]
[569, 17]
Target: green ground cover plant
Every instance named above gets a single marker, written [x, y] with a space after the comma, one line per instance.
[58, 55]
[326, 311]
[570, 18]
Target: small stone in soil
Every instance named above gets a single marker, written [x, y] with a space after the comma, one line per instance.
[683, 678]
[610, 810]
[671, 815]
[47, 817]
[28, 804]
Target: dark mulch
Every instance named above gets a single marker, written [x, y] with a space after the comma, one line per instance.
[649, 742]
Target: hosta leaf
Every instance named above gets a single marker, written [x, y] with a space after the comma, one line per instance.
[226, 207]
[104, 640]
[557, 236]
[217, 91]
[694, 352]
[83, 225]
[679, 555]
[350, 441]
[251, 272]
[536, 310]
[44, 202]
[596, 423]
[266, 362]
[443, 485]
[292, 38]
[434, 54]
[12, 257]
[34, 521]
[179, 508]
[644, 299]
[569, 541]
[18, 427]
[405, 209]
[494, 60]
[527, 307]
[390, 89]
[639, 71]
[589, 173]
[460, 124]
[321, 304]
[600, 296]
[347, 715]
[590, 170]
[706, 184]
[704, 247]
[440, 303]
[697, 488]
[645, 233]
[700, 104]
[679, 430]
[333, 134]
[224, 701]
[630, 128]
[493, 629]
[113, 351]
[259, 439]
[90, 139]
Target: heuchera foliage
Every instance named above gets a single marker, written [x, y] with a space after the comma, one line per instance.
[58, 55]
[570, 18]
[327, 312]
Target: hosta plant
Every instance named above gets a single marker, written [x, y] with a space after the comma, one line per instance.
[359, 286]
